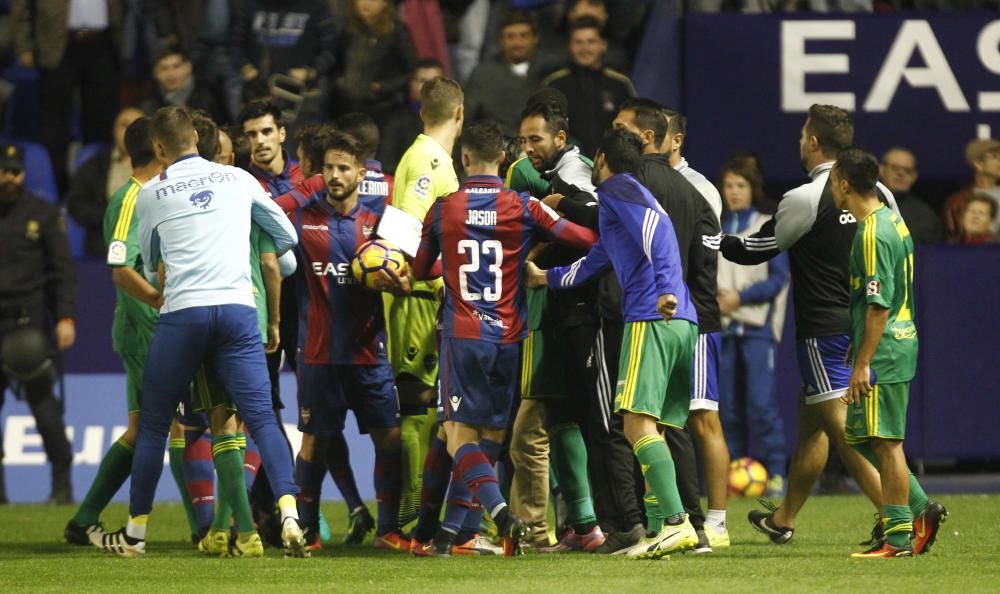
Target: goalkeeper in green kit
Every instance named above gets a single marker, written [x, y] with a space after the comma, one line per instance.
[884, 356]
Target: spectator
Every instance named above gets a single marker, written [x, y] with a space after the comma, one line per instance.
[37, 287]
[95, 182]
[516, 69]
[76, 46]
[177, 85]
[375, 59]
[594, 91]
[290, 37]
[983, 155]
[402, 126]
[899, 172]
[598, 10]
[752, 304]
[979, 221]
[203, 31]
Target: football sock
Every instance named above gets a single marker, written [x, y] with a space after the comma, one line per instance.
[111, 475]
[233, 500]
[654, 517]
[251, 459]
[658, 469]
[459, 505]
[287, 507]
[175, 451]
[569, 463]
[136, 527]
[898, 524]
[716, 518]
[411, 432]
[388, 486]
[199, 471]
[309, 478]
[918, 498]
[338, 462]
[474, 468]
[436, 475]
[474, 517]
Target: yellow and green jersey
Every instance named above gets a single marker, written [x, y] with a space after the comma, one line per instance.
[882, 274]
[260, 243]
[424, 173]
[523, 177]
[134, 321]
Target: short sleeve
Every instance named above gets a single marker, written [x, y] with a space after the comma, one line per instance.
[877, 254]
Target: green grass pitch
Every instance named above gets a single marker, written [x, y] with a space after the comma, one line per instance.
[965, 559]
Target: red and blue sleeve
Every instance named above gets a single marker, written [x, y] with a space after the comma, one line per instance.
[552, 227]
[426, 264]
[302, 194]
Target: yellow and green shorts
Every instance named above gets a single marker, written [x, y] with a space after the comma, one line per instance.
[208, 392]
[412, 331]
[543, 365]
[654, 373]
[882, 413]
[134, 364]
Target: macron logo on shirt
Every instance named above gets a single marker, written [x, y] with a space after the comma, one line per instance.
[216, 177]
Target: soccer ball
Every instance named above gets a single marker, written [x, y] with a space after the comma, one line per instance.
[747, 478]
[374, 256]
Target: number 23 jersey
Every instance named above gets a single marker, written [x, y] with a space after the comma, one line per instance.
[483, 233]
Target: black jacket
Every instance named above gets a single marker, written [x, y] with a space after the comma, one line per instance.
[594, 97]
[363, 59]
[692, 218]
[88, 199]
[36, 270]
[201, 97]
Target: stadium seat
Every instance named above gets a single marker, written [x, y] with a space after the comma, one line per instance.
[86, 152]
[38, 175]
[21, 117]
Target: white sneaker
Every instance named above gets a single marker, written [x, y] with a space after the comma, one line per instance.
[115, 542]
[293, 539]
[671, 539]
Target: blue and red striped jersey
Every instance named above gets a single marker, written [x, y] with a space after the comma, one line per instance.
[376, 182]
[276, 185]
[340, 321]
[483, 233]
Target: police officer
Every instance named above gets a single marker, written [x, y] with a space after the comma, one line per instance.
[37, 290]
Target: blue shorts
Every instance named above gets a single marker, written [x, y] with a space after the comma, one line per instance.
[705, 372]
[478, 381]
[326, 392]
[821, 365]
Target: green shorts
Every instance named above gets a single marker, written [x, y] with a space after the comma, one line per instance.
[134, 364]
[654, 373]
[882, 413]
[542, 364]
[412, 331]
[207, 392]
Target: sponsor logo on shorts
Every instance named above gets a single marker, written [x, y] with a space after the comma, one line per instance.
[117, 252]
[874, 288]
[456, 401]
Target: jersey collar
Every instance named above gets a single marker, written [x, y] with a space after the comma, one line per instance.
[820, 169]
[482, 180]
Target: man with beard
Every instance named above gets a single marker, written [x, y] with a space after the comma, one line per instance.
[345, 362]
[37, 286]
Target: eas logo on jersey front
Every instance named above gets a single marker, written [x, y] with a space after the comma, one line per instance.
[339, 270]
[874, 288]
[202, 199]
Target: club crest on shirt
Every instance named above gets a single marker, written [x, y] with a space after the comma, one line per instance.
[32, 231]
[202, 199]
